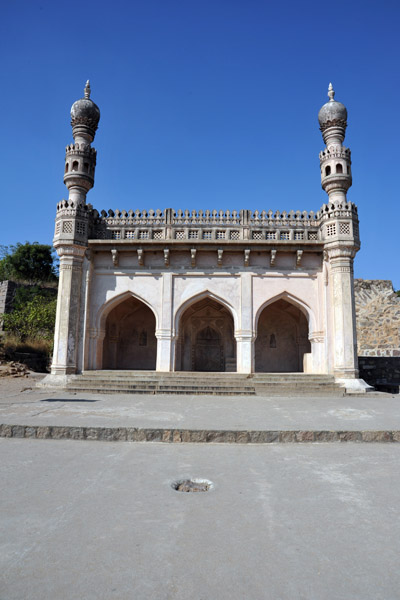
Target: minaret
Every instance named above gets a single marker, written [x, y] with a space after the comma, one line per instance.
[72, 233]
[335, 160]
[339, 231]
[80, 157]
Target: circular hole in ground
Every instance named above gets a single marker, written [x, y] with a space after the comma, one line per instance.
[192, 485]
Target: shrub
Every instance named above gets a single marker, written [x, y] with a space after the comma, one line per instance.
[33, 319]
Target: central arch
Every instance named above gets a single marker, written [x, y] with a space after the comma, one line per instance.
[205, 340]
[130, 342]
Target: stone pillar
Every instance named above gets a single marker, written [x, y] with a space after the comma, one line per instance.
[68, 310]
[97, 344]
[164, 333]
[88, 272]
[91, 339]
[244, 351]
[345, 362]
[165, 350]
[315, 363]
[245, 335]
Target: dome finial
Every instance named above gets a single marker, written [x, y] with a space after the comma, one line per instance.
[87, 89]
[331, 93]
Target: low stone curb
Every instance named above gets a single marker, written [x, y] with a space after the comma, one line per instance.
[134, 434]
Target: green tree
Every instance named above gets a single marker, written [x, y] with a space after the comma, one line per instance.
[28, 262]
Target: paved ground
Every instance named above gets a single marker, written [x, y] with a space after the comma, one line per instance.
[284, 522]
[37, 407]
[93, 521]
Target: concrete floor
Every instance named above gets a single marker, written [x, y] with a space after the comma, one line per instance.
[84, 520]
[23, 404]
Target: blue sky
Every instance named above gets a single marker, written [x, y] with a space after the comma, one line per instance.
[209, 104]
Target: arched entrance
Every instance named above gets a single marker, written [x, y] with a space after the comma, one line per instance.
[282, 339]
[206, 340]
[130, 341]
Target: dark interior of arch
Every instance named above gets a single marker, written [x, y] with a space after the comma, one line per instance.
[130, 342]
[282, 339]
[206, 339]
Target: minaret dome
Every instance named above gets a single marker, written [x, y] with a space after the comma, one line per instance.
[332, 119]
[332, 110]
[85, 115]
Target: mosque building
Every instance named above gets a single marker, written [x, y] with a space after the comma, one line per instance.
[206, 290]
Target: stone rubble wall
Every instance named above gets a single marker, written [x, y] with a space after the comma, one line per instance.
[7, 294]
[378, 333]
[383, 372]
[378, 318]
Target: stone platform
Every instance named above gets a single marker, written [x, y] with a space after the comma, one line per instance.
[30, 412]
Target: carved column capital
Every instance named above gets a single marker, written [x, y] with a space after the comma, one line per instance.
[93, 333]
[244, 335]
[341, 252]
[71, 251]
[165, 334]
[317, 337]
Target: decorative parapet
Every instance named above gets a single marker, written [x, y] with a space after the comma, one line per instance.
[73, 222]
[340, 221]
[80, 149]
[80, 221]
[212, 226]
[70, 208]
[335, 151]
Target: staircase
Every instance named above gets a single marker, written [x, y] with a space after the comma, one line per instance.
[190, 383]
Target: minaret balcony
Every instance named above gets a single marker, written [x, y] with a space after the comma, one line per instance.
[80, 179]
[336, 181]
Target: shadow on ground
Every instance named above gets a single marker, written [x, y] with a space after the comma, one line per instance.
[67, 400]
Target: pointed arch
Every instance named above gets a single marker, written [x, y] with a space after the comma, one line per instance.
[204, 328]
[297, 302]
[126, 326]
[108, 306]
[197, 298]
[282, 324]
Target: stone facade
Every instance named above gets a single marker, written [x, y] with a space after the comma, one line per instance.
[206, 290]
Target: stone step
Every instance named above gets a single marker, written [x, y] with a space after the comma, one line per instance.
[197, 436]
[113, 387]
[189, 383]
[204, 384]
[212, 374]
[133, 386]
[178, 390]
[159, 386]
[222, 377]
[201, 384]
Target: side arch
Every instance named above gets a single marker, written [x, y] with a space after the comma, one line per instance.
[126, 326]
[282, 326]
[108, 306]
[300, 304]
